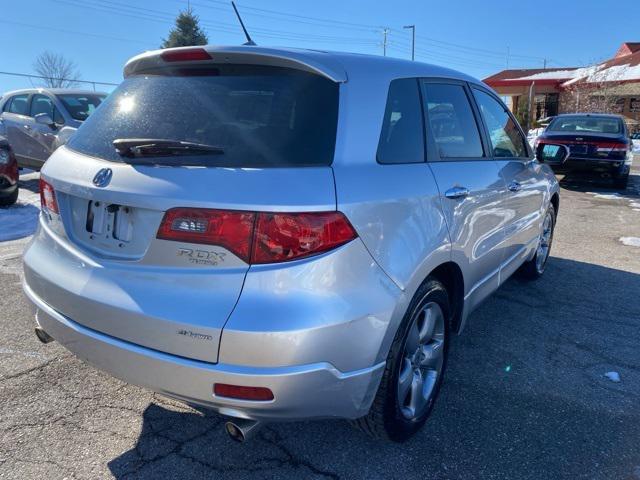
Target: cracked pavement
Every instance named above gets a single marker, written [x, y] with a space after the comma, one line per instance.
[524, 395]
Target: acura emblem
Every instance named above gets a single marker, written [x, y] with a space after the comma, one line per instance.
[103, 177]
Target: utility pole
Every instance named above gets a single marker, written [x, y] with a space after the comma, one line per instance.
[544, 64]
[413, 40]
[385, 32]
[508, 52]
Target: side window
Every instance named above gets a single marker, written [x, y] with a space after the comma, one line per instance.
[19, 104]
[402, 138]
[451, 121]
[506, 139]
[41, 104]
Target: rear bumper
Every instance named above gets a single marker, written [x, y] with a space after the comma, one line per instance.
[617, 167]
[316, 390]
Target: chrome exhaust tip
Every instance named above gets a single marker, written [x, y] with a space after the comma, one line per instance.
[43, 336]
[240, 429]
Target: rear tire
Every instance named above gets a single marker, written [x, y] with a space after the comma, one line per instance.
[534, 268]
[10, 199]
[396, 414]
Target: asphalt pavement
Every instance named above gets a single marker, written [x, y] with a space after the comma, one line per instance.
[525, 394]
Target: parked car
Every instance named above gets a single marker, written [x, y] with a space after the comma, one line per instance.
[597, 143]
[246, 229]
[8, 174]
[635, 139]
[37, 121]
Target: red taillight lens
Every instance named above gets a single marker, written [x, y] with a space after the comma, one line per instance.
[242, 393]
[286, 236]
[48, 197]
[185, 55]
[258, 237]
[229, 229]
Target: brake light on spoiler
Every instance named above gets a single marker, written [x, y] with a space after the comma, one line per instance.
[185, 55]
[259, 237]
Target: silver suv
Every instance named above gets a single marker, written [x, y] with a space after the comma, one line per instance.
[286, 234]
[36, 121]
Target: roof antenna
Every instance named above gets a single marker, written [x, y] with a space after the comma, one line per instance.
[246, 34]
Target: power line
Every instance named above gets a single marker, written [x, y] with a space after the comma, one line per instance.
[28, 75]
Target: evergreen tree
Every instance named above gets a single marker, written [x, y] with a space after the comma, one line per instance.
[187, 32]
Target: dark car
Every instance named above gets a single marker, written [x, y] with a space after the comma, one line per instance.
[597, 143]
[8, 174]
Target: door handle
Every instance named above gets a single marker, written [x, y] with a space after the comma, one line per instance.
[27, 127]
[514, 187]
[457, 192]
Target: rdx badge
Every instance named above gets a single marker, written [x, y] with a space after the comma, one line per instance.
[202, 257]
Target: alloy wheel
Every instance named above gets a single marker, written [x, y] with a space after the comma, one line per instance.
[422, 361]
[544, 245]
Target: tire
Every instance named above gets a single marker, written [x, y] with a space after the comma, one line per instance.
[9, 199]
[390, 416]
[621, 183]
[534, 268]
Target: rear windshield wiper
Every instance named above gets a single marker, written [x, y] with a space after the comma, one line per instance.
[153, 147]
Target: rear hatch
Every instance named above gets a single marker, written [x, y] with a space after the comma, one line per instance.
[142, 272]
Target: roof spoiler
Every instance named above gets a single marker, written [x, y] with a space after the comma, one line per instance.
[316, 62]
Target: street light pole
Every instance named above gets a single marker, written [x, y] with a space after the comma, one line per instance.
[413, 40]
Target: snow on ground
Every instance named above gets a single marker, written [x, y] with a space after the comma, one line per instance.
[20, 219]
[630, 241]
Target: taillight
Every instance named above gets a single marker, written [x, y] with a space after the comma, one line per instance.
[185, 55]
[242, 393]
[48, 197]
[608, 147]
[226, 228]
[259, 237]
[280, 237]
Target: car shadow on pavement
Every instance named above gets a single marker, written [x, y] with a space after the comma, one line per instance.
[525, 396]
[581, 182]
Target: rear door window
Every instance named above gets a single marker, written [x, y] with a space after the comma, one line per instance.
[451, 121]
[402, 137]
[41, 104]
[257, 116]
[504, 134]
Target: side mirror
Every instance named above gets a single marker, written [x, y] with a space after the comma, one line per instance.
[552, 154]
[45, 119]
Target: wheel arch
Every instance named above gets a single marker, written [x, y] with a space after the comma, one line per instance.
[555, 201]
[450, 275]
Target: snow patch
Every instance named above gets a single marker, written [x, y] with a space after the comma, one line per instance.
[630, 241]
[606, 196]
[613, 376]
[20, 220]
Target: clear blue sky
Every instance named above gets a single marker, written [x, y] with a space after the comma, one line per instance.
[468, 35]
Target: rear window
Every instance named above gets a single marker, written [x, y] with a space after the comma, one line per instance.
[258, 116]
[586, 124]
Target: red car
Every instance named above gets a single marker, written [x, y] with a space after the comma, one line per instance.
[8, 174]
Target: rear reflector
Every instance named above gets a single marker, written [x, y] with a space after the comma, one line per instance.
[185, 55]
[259, 237]
[242, 393]
[48, 197]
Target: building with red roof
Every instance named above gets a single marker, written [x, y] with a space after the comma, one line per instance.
[612, 86]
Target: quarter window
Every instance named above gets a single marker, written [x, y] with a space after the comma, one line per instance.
[451, 121]
[19, 105]
[506, 138]
[402, 138]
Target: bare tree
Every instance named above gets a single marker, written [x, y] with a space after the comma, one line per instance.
[58, 72]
